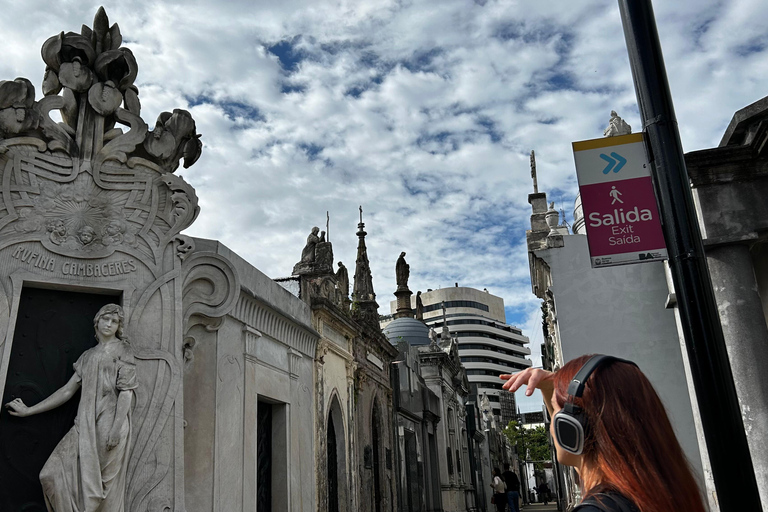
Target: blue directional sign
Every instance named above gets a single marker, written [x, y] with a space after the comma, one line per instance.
[617, 160]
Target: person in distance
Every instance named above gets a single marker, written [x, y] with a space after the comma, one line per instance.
[609, 423]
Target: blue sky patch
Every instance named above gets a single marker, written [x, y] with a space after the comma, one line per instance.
[288, 54]
[233, 109]
[311, 150]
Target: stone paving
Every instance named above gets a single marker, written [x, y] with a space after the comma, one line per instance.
[539, 507]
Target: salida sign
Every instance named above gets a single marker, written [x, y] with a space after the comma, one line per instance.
[617, 198]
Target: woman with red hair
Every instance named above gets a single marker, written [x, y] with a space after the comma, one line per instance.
[609, 423]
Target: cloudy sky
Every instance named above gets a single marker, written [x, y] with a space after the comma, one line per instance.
[423, 112]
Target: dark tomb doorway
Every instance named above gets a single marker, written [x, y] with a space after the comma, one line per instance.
[333, 470]
[376, 440]
[264, 457]
[53, 328]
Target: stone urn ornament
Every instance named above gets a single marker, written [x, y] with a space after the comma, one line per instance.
[552, 218]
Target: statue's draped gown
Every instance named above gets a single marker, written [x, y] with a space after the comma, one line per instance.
[81, 475]
[308, 253]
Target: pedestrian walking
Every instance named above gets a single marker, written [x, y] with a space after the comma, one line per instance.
[609, 423]
[513, 488]
[499, 491]
[543, 490]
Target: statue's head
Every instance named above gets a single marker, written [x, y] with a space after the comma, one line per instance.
[614, 114]
[112, 309]
[402, 254]
[315, 230]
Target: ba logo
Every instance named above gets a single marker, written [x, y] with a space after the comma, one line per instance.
[646, 256]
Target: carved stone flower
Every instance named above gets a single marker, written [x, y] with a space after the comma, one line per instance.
[174, 135]
[181, 124]
[104, 98]
[16, 100]
[160, 142]
[118, 66]
[68, 57]
[192, 151]
[51, 84]
[75, 75]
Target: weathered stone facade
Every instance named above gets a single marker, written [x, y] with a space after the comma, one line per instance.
[417, 420]
[373, 393]
[444, 375]
[730, 186]
[250, 400]
[91, 210]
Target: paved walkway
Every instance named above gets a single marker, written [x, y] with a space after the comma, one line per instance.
[539, 507]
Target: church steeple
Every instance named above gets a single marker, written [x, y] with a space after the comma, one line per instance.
[363, 296]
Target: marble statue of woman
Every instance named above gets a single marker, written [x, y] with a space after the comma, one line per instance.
[87, 469]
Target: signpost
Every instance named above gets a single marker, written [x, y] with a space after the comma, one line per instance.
[620, 210]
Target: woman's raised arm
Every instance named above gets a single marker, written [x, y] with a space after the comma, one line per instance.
[64, 393]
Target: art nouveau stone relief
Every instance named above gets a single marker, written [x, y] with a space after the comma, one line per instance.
[92, 203]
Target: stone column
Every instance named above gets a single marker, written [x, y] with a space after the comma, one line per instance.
[746, 338]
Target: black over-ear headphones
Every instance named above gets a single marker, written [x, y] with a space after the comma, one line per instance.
[570, 422]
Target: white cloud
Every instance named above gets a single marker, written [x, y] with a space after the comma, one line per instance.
[423, 112]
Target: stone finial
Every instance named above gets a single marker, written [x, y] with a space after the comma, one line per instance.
[553, 219]
[616, 126]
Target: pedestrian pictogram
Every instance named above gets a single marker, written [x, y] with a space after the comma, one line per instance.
[620, 211]
[615, 159]
[615, 195]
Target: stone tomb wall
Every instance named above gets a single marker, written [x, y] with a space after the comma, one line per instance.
[67, 226]
[258, 358]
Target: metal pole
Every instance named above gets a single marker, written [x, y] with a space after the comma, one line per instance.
[711, 372]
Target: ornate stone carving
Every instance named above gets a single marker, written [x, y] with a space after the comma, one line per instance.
[316, 257]
[66, 183]
[107, 374]
[184, 245]
[91, 201]
[326, 287]
[616, 126]
[210, 288]
[221, 285]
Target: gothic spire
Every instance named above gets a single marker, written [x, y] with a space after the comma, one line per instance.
[362, 293]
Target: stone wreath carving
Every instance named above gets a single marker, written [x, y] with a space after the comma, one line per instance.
[99, 179]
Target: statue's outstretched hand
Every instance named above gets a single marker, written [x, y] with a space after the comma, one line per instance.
[17, 407]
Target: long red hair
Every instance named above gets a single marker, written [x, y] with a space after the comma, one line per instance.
[629, 440]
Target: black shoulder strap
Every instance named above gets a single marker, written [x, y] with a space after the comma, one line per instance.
[613, 502]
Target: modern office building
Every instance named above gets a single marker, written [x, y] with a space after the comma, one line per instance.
[488, 346]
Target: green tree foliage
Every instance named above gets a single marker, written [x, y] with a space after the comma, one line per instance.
[532, 444]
